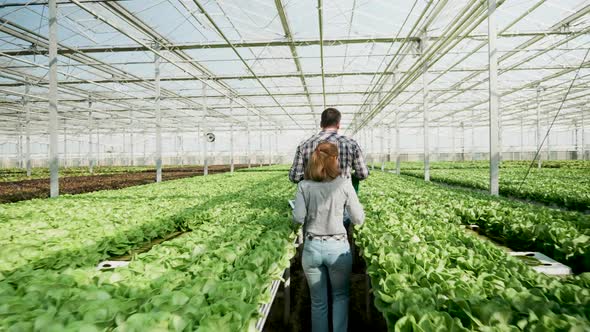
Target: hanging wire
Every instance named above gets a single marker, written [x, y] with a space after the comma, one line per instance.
[553, 121]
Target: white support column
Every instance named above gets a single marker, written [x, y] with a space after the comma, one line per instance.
[27, 129]
[398, 166]
[372, 133]
[521, 137]
[205, 140]
[472, 134]
[198, 151]
[389, 142]
[131, 142]
[53, 134]
[65, 159]
[382, 156]
[231, 137]
[260, 139]
[538, 145]
[158, 118]
[576, 142]
[493, 100]
[425, 111]
[144, 149]
[462, 141]
[248, 141]
[453, 138]
[500, 135]
[270, 149]
[19, 144]
[181, 138]
[90, 129]
[277, 133]
[97, 143]
[582, 143]
[548, 143]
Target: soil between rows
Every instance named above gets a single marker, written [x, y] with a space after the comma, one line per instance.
[39, 188]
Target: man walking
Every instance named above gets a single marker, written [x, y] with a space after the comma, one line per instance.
[350, 158]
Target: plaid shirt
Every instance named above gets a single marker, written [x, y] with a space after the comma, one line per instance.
[351, 156]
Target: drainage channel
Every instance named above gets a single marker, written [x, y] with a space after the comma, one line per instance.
[536, 260]
[123, 260]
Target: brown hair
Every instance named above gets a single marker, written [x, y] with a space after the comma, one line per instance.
[323, 163]
[330, 117]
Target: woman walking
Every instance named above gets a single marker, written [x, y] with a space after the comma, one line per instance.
[322, 197]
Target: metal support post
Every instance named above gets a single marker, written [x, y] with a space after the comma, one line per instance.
[462, 141]
[131, 142]
[382, 156]
[425, 111]
[65, 159]
[583, 138]
[260, 139]
[181, 141]
[248, 141]
[472, 134]
[158, 119]
[521, 138]
[398, 166]
[500, 135]
[576, 143]
[548, 145]
[19, 145]
[97, 143]
[144, 149]
[372, 133]
[277, 133]
[198, 151]
[205, 141]
[538, 145]
[53, 148]
[90, 128]
[27, 130]
[389, 142]
[270, 149]
[453, 140]
[231, 137]
[493, 100]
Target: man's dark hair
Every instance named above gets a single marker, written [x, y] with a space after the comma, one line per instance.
[330, 117]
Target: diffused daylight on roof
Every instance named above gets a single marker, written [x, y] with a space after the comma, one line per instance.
[234, 62]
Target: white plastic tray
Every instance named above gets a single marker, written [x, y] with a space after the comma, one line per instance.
[105, 265]
[549, 266]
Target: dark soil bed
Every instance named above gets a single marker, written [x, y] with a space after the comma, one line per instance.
[300, 314]
[39, 188]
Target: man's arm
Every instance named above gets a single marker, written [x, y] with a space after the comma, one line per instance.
[296, 172]
[358, 162]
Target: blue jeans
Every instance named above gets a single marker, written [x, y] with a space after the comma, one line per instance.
[323, 259]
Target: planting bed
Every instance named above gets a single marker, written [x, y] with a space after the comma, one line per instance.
[39, 188]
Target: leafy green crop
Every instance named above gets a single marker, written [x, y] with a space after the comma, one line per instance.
[428, 274]
[213, 278]
[564, 187]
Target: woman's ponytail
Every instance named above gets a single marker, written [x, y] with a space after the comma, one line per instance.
[323, 163]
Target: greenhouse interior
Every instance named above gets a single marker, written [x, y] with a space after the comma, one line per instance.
[156, 157]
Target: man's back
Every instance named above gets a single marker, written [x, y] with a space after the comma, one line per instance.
[350, 155]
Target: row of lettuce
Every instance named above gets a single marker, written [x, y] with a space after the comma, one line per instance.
[20, 174]
[485, 164]
[569, 188]
[214, 277]
[427, 273]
